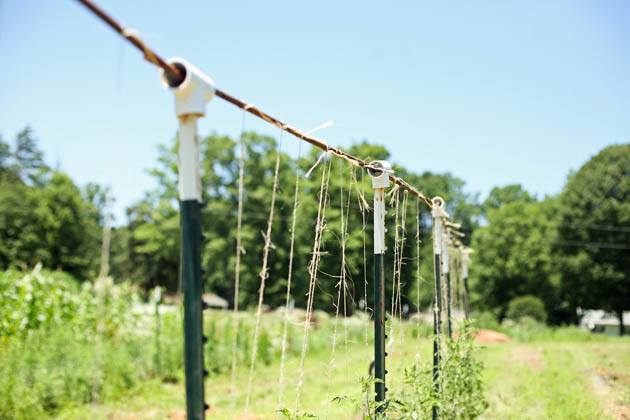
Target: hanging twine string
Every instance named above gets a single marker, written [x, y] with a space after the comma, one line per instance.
[418, 261]
[263, 275]
[239, 251]
[363, 206]
[313, 267]
[342, 286]
[401, 249]
[289, 277]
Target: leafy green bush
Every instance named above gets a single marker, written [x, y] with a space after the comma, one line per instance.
[461, 394]
[43, 299]
[527, 306]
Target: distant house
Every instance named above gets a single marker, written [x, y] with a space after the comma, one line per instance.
[601, 322]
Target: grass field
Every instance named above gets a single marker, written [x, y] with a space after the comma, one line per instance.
[559, 379]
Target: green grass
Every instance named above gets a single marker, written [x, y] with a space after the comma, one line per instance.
[540, 380]
[323, 381]
[553, 380]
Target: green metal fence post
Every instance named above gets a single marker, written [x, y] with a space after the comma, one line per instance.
[438, 214]
[191, 96]
[157, 296]
[380, 181]
[465, 261]
[446, 269]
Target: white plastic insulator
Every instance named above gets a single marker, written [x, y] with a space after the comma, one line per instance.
[445, 256]
[189, 171]
[379, 221]
[191, 95]
[438, 214]
[380, 179]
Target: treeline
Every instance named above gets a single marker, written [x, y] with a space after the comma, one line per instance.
[572, 250]
[551, 248]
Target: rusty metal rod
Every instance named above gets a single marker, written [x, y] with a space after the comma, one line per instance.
[175, 77]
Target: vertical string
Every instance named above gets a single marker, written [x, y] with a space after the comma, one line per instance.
[342, 285]
[313, 267]
[401, 250]
[263, 273]
[239, 251]
[289, 277]
[364, 207]
[418, 277]
[390, 343]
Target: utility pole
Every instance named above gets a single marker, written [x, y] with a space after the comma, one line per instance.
[380, 181]
[191, 96]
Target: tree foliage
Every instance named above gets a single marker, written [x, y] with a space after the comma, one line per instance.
[513, 256]
[44, 216]
[594, 232]
[153, 242]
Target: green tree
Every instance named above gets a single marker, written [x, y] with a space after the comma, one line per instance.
[44, 217]
[594, 233]
[151, 253]
[29, 159]
[507, 194]
[513, 256]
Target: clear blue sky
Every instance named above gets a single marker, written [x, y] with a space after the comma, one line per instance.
[495, 92]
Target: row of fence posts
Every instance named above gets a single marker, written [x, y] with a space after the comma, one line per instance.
[443, 239]
[191, 97]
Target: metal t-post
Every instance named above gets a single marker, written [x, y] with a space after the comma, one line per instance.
[446, 264]
[465, 261]
[191, 96]
[438, 214]
[380, 181]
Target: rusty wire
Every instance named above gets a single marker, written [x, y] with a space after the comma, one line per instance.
[175, 77]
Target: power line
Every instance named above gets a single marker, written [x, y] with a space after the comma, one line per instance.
[175, 76]
[593, 244]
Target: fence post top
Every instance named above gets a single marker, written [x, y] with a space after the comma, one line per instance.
[380, 176]
[439, 208]
[193, 93]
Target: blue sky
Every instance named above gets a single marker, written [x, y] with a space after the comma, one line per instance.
[495, 92]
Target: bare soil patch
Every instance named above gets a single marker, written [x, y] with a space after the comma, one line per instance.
[490, 336]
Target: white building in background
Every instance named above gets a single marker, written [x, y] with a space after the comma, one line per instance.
[601, 322]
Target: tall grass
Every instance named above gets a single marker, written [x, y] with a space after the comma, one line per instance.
[64, 344]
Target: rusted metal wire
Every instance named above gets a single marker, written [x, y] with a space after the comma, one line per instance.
[175, 77]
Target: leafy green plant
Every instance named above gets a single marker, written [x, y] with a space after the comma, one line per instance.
[460, 394]
[526, 306]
